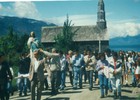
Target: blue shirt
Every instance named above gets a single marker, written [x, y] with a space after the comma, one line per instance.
[78, 60]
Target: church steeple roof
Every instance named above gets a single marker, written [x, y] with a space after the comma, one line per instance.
[101, 5]
[101, 1]
[101, 20]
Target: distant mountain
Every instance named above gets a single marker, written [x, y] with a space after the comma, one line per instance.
[22, 25]
[128, 40]
[26, 25]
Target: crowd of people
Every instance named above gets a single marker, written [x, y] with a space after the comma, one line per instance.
[109, 69]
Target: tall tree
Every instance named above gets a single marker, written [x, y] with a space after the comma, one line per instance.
[12, 45]
[64, 40]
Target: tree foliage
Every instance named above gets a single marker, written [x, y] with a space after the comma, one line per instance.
[12, 45]
[64, 40]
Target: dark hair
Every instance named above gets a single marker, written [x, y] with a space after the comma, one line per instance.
[101, 55]
[126, 58]
[138, 61]
[108, 50]
[61, 52]
[115, 54]
[76, 50]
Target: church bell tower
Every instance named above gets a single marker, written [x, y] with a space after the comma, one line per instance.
[101, 21]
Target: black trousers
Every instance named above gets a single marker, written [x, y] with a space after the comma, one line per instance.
[4, 95]
[55, 81]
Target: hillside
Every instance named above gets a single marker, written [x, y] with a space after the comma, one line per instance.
[22, 25]
[129, 40]
[26, 25]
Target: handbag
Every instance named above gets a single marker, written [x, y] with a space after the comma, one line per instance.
[53, 67]
[106, 71]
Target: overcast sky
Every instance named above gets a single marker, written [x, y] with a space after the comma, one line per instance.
[123, 16]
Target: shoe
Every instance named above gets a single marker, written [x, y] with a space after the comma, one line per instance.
[106, 94]
[138, 85]
[20, 94]
[90, 88]
[53, 93]
[110, 91]
[74, 88]
[126, 85]
[61, 88]
[25, 94]
[46, 88]
[115, 95]
[119, 97]
[12, 93]
[102, 96]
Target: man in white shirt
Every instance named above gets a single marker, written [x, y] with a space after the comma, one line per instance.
[63, 70]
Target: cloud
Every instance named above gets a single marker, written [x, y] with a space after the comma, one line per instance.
[26, 9]
[77, 20]
[80, 20]
[123, 28]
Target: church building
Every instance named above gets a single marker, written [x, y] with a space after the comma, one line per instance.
[93, 37]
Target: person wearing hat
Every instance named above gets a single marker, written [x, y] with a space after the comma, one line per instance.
[4, 72]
